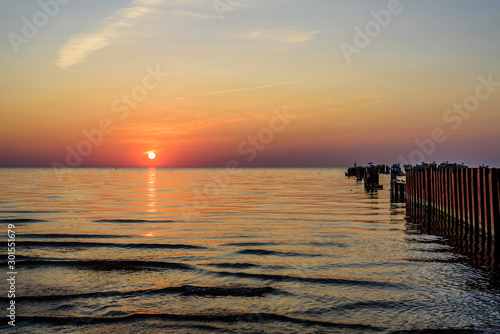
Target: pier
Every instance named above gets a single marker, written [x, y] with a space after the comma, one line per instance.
[467, 196]
[370, 174]
[467, 199]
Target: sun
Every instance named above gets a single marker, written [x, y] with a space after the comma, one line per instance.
[152, 155]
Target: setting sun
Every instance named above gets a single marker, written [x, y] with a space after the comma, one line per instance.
[151, 155]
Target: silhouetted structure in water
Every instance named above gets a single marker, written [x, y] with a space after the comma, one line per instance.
[370, 174]
[467, 198]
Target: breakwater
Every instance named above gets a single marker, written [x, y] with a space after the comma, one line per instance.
[467, 198]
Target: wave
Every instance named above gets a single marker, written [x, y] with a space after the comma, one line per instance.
[271, 252]
[240, 291]
[444, 331]
[73, 236]
[253, 244]
[30, 211]
[183, 290]
[319, 280]
[452, 258]
[217, 317]
[235, 265]
[20, 220]
[26, 257]
[378, 305]
[76, 244]
[106, 264]
[129, 221]
[250, 244]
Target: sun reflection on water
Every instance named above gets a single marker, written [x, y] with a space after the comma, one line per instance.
[152, 190]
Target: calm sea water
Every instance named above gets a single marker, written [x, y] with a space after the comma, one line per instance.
[203, 251]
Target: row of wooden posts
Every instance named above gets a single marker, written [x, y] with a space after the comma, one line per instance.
[468, 197]
[370, 174]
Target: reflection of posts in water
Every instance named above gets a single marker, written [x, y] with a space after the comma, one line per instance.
[462, 202]
[463, 240]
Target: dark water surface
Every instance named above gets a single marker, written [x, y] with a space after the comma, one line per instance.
[258, 251]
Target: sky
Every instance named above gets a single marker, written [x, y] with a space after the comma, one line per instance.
[275, 83]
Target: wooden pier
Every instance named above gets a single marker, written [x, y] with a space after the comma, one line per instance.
[370, 174]
[467, 199]
[398, 191]
[372, 179]
[467, 196]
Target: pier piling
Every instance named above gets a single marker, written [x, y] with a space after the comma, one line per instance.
[467, 196]
[451, 196]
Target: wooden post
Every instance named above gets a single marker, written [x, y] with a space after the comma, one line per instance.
[468, 188]
[475, 202]
[421, 192]
[452, 195]
[487, 202]
[461, 184]
[414, 192]
[482, 218]
[441, 191]
[463, 191]
[455, 198]
[449, 192]
[496, 208]
[409, 192]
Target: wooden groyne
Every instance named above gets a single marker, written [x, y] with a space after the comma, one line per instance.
[398, 191]
[370, 174]
[468, 196]
[467, 199]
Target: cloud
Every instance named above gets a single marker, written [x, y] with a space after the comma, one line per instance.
[283, 35]
[190, 14]
[183, 97]
[80, 46]
[359, 98]
[237, 90]
[250, 88]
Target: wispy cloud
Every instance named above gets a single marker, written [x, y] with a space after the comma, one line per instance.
[358, 99]
[283, 35]
[191, 14]
[250, 88]
[183, 97]
[79, 47]
[237, 90]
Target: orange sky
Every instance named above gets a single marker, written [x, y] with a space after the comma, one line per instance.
[102, 68]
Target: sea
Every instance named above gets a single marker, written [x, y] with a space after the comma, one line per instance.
[229, 251]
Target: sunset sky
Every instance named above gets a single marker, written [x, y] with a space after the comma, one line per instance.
[315, 83]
